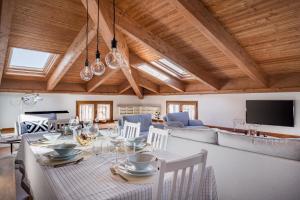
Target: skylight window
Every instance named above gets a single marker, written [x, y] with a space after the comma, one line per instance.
[153, 72]
[171, 68]
[24, 58]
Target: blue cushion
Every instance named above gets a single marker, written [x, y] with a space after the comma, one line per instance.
[175, 124]
[145, 120]
[182, 117]
[195, 123]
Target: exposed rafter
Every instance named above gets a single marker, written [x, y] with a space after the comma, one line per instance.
[201, 18]
[98, 80]
[107, 34]
[132, 29]
[123, 87]
[145, 83]
[7, 9]
[172, 82]
[73, 52]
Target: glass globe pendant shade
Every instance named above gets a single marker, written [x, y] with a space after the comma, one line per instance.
[98, 67]
[114, 59]
[86, 73]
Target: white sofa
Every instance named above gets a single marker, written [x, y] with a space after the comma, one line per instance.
[243, 175]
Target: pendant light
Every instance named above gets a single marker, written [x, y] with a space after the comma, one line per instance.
[86, 73]
[114, 58]
[98, 67]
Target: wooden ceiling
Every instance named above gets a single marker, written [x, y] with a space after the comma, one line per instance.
[227, 46]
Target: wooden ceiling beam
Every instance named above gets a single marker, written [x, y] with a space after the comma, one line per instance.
[162, 48]
[71, 55]
[105, 22]
[7, 9]
[123, 87]
[200, 17]
[99, 80]
[172, 82]
[147, 84]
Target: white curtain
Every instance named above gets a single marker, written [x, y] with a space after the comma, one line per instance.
[191, 109]
[103, 112]
[86, 112]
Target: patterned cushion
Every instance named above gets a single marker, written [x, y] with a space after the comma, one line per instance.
[34, 126]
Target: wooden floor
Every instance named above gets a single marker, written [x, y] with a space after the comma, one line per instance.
[8, 190]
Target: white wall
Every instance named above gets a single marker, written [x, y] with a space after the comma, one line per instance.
[10, 106]
[213, 109]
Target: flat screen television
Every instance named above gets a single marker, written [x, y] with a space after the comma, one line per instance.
[270, 112]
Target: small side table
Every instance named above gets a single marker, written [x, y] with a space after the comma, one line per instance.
[10, 140]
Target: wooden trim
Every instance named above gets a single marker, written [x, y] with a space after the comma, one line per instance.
[200, 17]
[99, 80]
[279, 135]
[71, 55]
[7, 130]
[7, 9]
[78, 103]
[181, 103]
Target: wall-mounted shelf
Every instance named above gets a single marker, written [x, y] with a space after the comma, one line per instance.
[135, 109]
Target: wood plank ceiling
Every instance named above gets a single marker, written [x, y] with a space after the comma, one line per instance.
[227, 46]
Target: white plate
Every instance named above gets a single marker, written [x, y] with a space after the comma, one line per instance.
[133, 170]
[141, 146]
[124, 171]
[55, 156]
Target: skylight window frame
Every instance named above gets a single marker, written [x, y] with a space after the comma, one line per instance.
[170, 70]
[30, 71]
[162, 77]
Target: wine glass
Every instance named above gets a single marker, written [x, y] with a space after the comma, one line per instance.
[74, 125]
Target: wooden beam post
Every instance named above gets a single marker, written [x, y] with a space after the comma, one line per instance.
[7, 9]
[200, 17]
[105, 22]
[71, 55]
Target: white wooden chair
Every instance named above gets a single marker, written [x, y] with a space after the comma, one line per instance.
[131, 130]
[158, 138]
[187, 177]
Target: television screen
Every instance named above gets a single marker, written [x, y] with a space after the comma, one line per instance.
[270, 112]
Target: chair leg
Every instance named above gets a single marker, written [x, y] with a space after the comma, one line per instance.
[11, 148]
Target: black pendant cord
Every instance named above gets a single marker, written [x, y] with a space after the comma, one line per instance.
[114, 41]
[87, 32]
[97, 52]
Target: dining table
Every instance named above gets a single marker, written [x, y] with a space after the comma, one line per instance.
[91, 178]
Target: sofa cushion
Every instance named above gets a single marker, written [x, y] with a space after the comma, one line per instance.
[281, 147]
[203, 134]
[195, 123]
[145, 120]
[179, 116]
[34, 126]
[175, 124]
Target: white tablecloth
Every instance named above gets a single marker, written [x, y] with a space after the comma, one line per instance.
[90, 179]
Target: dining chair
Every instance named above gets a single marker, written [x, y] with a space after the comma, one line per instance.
[158, 138]
[131, 130]
[186, 178]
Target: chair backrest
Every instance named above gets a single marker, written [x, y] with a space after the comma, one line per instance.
[58, 125]
[186, 179]
[158, 138]
[131, 130]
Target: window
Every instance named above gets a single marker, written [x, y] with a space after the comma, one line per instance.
[30, 61]
[183, 106]
[171, 68]
[153, 72]
[101, 111]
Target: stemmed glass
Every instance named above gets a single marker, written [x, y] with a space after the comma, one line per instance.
[114, 134]
[74, 125]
